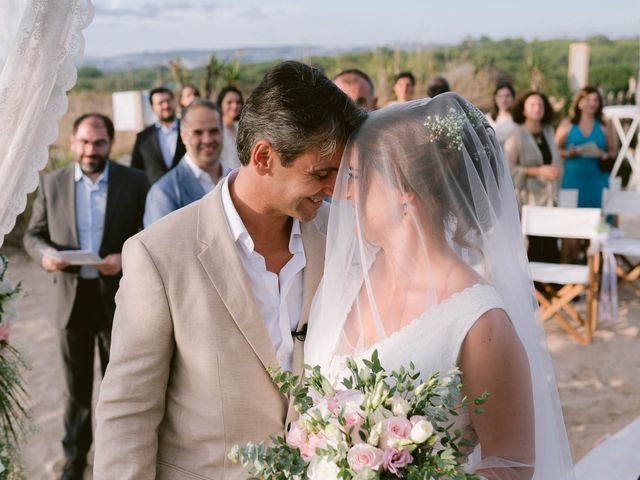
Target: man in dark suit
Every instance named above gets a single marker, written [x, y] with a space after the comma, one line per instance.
[91, 204]
[158, 147]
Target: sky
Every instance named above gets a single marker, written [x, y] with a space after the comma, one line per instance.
[133, 26]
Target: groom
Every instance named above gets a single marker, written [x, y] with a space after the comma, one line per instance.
[212, 293]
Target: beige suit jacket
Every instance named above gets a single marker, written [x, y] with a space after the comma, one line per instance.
[187, 377]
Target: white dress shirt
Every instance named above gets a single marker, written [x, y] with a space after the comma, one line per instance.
[279, 297]
[168, 140]
[203, 178]
[91, 205]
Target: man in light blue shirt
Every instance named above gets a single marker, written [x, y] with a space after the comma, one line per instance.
[91, 204]
[198, 171]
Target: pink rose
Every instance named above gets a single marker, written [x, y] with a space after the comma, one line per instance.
[313, 441]
[296, 436]
[364, 456]
[394, 429]
[393, 460]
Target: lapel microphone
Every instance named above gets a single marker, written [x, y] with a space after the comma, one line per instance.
[300, 335]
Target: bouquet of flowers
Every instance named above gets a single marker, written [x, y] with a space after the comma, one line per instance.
[380, 426]
[13, 413]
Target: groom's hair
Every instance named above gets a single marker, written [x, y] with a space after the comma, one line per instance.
[296, 108]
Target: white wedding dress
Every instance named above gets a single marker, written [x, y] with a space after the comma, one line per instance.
[423, 199]
[432, 341]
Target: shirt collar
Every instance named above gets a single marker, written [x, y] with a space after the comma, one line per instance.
[198, 172]
[78, 174]
[239, 231]
[170, 128]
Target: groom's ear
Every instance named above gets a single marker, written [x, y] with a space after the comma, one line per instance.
[262, 157]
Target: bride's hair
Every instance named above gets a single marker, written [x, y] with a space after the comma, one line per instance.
[434, 152]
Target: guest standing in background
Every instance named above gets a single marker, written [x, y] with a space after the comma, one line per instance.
[158, 147]
[199, 170]
[403, 87]
[500, 117]
[188, 93]
[230, 103]
[358, 87]
[91, 204]
[437, 85]
[588, 144]
[534, 162]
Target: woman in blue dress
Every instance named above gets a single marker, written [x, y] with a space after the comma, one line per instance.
[587, 143]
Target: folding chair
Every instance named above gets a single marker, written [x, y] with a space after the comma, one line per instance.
[624, 203]
[568, 197]
[578, 223]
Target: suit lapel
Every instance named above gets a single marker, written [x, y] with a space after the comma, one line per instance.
[114, 187]
[221, 261]
[180, 149]
[314, 245]
[155, 151]
[191, 189]
[68, 189]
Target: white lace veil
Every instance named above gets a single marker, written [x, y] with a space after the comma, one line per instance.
[40, 43]
[423, 208]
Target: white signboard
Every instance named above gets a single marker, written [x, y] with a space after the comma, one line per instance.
[131, 111]
[578, 66]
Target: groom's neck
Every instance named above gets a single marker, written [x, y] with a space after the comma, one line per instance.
[261, 221]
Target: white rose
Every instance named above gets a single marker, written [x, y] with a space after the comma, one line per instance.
[374, 435]
[333, 435]
[322, 469]
[399, 406]
[6, 286]
[421, 432]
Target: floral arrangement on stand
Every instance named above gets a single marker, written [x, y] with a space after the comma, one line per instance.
[380, 426]
[14, 415]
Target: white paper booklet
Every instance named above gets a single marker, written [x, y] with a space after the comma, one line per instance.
[75, 257]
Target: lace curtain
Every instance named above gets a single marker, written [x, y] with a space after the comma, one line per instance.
[40, 43]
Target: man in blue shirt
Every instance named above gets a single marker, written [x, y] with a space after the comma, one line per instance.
[198, 171]
[92, 204]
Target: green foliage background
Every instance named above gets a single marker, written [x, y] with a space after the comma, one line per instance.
[612, 62]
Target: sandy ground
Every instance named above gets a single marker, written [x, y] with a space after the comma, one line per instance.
[599, 385]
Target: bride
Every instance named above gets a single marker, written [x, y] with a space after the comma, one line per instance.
[425, 263]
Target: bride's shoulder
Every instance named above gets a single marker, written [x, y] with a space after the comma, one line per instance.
[492, 331]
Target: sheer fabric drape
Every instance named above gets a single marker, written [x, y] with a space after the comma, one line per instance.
[423, 226]
[40, 43]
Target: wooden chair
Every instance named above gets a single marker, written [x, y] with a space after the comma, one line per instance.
[558, 284]
[627, 246]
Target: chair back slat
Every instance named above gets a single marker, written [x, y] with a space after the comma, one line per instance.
[568, 198]
[620, 203]
[561, 222]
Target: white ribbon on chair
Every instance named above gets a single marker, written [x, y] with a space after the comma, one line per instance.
[608, 302]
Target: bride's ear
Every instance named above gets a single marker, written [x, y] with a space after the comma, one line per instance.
[408, 198]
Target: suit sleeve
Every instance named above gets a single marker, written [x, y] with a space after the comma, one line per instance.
[159, 203]
[132, 395]
[136, 155]
[36, 238]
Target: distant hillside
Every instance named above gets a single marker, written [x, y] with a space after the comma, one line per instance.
[472, 66]
[198, 58]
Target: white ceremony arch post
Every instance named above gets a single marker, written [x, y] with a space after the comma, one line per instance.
[43, 42]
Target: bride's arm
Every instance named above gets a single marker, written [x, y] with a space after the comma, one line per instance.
[493, 360]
